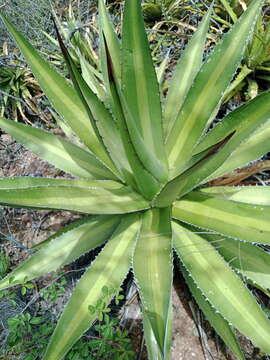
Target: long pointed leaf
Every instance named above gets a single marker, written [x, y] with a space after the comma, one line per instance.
[257, 195]
[252, 261]
[206, 92]
[233, 219]
[109, 269]
[113, 43]
[89, 75]
[141, 92]
[101, 119]
[63, 249]
[59, 152]
[184, 74]
[144, 180]
[238, 126]
[255, 147]
[237, 120]
[62, 96]
[220, 325]
[97, 198]
[224, 290]
[153, 272]
[27, 182]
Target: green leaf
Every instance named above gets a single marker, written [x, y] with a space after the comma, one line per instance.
[187, 68]
[252, 261]
[238, 126]
[255, 147]
[229, 10]
[26, 182]
[254, 112]
[257, 195]
[101, 119]
[223, 289]
[209, 85]
[63, 249]
[63, 97]
[153, 272]
[234, 219]
[141, 92]
[144, 181]
[89, 75]
[58, 151]
[161, 70]
[194, 174]
[109, 269]
[98, 197]
[113, 43]
[220, 325]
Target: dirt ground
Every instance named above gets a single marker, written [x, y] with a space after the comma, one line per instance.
[191, 339]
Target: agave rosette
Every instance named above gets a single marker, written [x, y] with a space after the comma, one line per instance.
[140, 164]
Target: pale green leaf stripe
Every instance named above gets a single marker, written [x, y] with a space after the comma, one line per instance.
[234, 219]
[58, 151]
[144, 181]
[152, 266]
[92, 200]
[184, 74]
[220, 325]
[160, 71]
[27, 182]
[209, 84]
[109, 269]
[62, 96]
[141, 91]
[237, 120]
[257, 195]
[222, 287]
[252, 261]
[63, 249]
[255, 147]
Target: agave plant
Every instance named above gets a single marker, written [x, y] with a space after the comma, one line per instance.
[254, 71]
[141, 167]
[18, 89]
